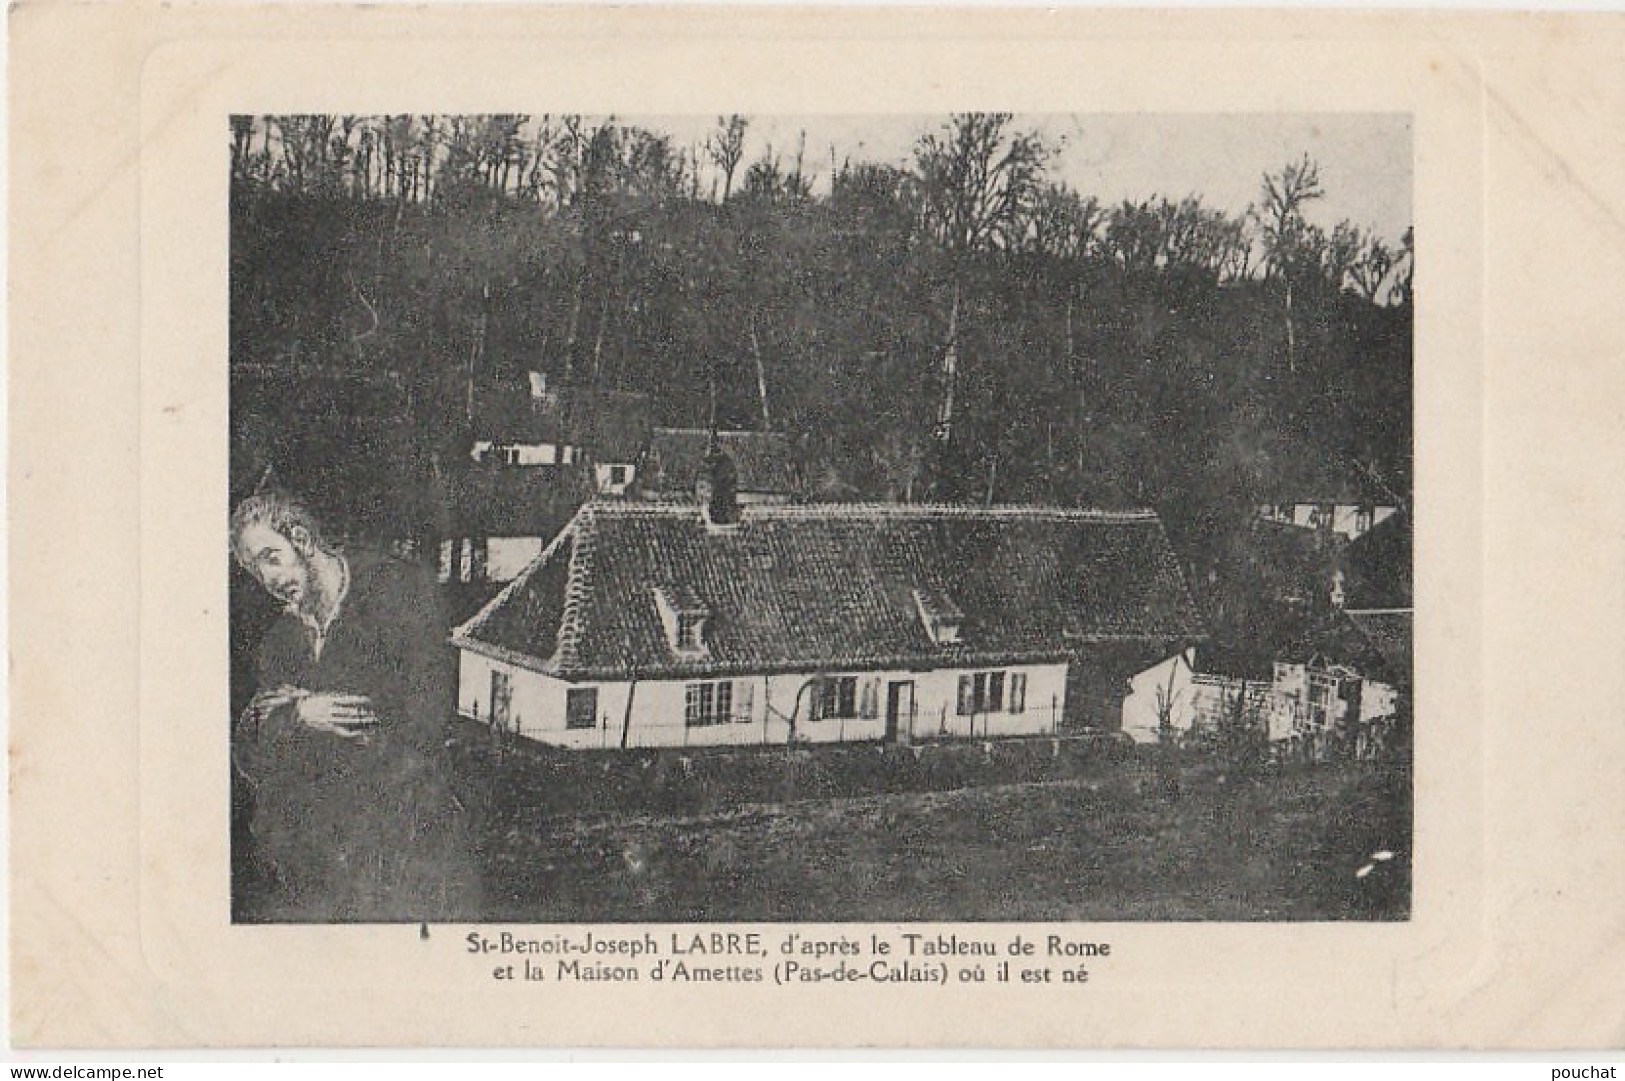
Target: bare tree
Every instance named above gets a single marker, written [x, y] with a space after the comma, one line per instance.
[1290, 243]
[1370, 267]
[1133, 236]
[979, 182]
[1064, 224]
[726, 148]
[1404, 269]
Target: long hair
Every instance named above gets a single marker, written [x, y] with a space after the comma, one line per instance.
[278, 511]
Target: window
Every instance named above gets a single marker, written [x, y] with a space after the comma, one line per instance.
[708, 704]
[835, 696]
[688, 631]
[744, 702]
[617, 474]
[983, 692]
[939, 615]
[869, 700]
[581, 707]
[1018, 692]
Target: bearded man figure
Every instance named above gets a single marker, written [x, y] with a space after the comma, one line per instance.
[344, 744]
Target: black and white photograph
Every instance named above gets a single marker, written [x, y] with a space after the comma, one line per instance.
[966, 517]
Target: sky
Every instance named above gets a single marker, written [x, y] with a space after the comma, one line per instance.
[1364, 158]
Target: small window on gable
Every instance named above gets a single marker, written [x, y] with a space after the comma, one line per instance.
[939, 615]
[684, 616]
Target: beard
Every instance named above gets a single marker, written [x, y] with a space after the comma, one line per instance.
[303, 594]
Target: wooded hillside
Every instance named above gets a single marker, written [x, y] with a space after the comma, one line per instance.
[963, 328]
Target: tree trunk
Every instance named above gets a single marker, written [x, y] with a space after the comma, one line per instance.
[761, 378]
[626, 719]
[1291, 334]
[950, 370]
[570, 332]
[598, 340]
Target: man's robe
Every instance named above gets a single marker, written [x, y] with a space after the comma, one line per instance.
[361, 829]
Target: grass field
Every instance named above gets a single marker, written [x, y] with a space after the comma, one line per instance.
[1284, 847]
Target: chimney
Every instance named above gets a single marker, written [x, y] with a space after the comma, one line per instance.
[718, 489]
[538, 384]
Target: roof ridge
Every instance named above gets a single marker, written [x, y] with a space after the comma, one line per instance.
[577, 582]
[627, 508]
[468, 628]
[720, 431]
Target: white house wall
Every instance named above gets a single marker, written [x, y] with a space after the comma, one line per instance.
[603, 477]
[1172, 677]
[761, 714]
[524, 453]
[1377, 700]
[505, 557]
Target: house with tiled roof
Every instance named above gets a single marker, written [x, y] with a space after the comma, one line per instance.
[1347, 670]
[763, 461]
[562, 427]
[499, 518]
[705, 623]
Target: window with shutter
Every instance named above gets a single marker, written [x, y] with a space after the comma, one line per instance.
[1018, 692]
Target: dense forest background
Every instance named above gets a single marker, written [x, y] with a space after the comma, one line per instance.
[962, 327]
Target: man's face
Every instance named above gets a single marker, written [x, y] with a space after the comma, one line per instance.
[279, 564]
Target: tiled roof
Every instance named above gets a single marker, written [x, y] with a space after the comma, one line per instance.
[763, 460]
[1379, 565]
[1375, 643]
[1389, 630]
[832, 586]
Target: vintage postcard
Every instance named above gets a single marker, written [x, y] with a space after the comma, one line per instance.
[795, 529]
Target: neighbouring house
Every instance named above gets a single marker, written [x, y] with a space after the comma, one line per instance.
[518, 429]
[664, 624]
[500, 518]
[1390, 633]
[763, 462]
[535, 459]
[614, 428]
[1344, 513]
[563, 426]
[1377, 567]
[1350, 670]
[1198, 693]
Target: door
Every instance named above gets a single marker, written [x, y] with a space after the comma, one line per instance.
[899, 710]
[501, 699]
